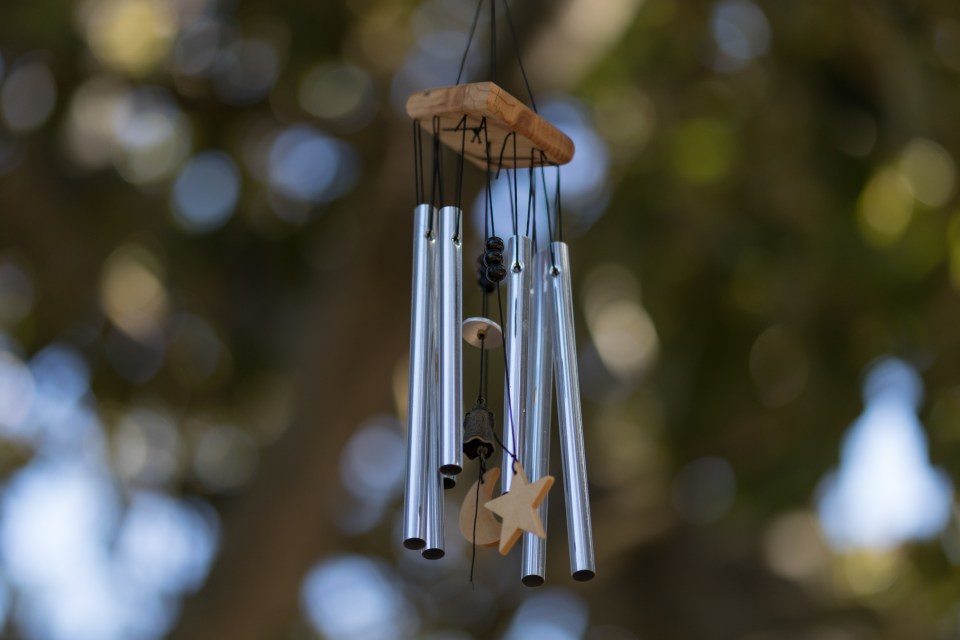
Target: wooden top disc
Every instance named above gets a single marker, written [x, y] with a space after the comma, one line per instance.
[469, 115]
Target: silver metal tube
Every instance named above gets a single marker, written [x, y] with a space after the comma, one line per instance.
[517, 259]
[433, 549]
[450, 342]
[422, 320]
[536, 446]
[576, 494]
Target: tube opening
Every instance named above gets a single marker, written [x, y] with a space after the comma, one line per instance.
[532, 580]
[414, 544]
[450, 470]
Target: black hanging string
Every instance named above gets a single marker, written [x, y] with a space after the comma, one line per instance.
[493, 46]
[550, 237]
[483, 338]
[532, 195]
[493, 231]
[493, 41]
[516, 189]
[417, 162]
[506, 373]
[543, 181]
[473, 29]
[512, 198]
[516, 48]
[463, 150]
[558, 207]
[484, 361]
[476, 514]
[510, 453]
[490, 227]
[436, 189]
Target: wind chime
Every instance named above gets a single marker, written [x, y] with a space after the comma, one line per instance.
[491, 129]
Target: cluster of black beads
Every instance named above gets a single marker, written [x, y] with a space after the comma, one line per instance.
[490, 269]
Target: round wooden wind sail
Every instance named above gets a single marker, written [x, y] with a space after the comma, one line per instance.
[488, 114]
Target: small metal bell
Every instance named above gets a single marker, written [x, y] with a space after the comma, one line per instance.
[478, 434]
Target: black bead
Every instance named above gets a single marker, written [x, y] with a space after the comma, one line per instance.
[483, 280]
[494, 244]
[493, 257]
[496, 272]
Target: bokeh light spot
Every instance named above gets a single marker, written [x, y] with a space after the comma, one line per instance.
[225, 458]
[136, 359]
[250, 69]
[356, 598]
[146, 445]
[28, 96]
[625, 337]
[885, 491]
[165, 543]
[868, 573]
[89, 134]
[339, 93]
[62, 420]
[885, 207]
[307, 167]
[205, 193]
[199, 48]
[56, 520]
[953, 249]
[704, 490]
[946, 39]
[16, 292]
[131, 36]
[557, 614]
[703, 150]
[370, 465]
[132, 291]
[626, 118]
[150, 136]
[741, 31]
[779, 366]
[16, 391]
[12, 152]
[930, 171]
[793, 546]
[196, 352]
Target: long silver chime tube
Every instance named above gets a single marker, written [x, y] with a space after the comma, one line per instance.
[519, 292]
[536, 448]
[433, 550]
[422, 321]
[576, 494]
[450, 342]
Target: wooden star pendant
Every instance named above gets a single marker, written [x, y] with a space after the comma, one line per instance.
[487, 527]
[518, 508]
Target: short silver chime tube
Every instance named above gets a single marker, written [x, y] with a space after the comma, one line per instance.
[536, 447]
[576, 494]
[450, 344]
[422, 320]
[517, 259]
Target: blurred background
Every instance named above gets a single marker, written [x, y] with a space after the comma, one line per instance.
[205, 219]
